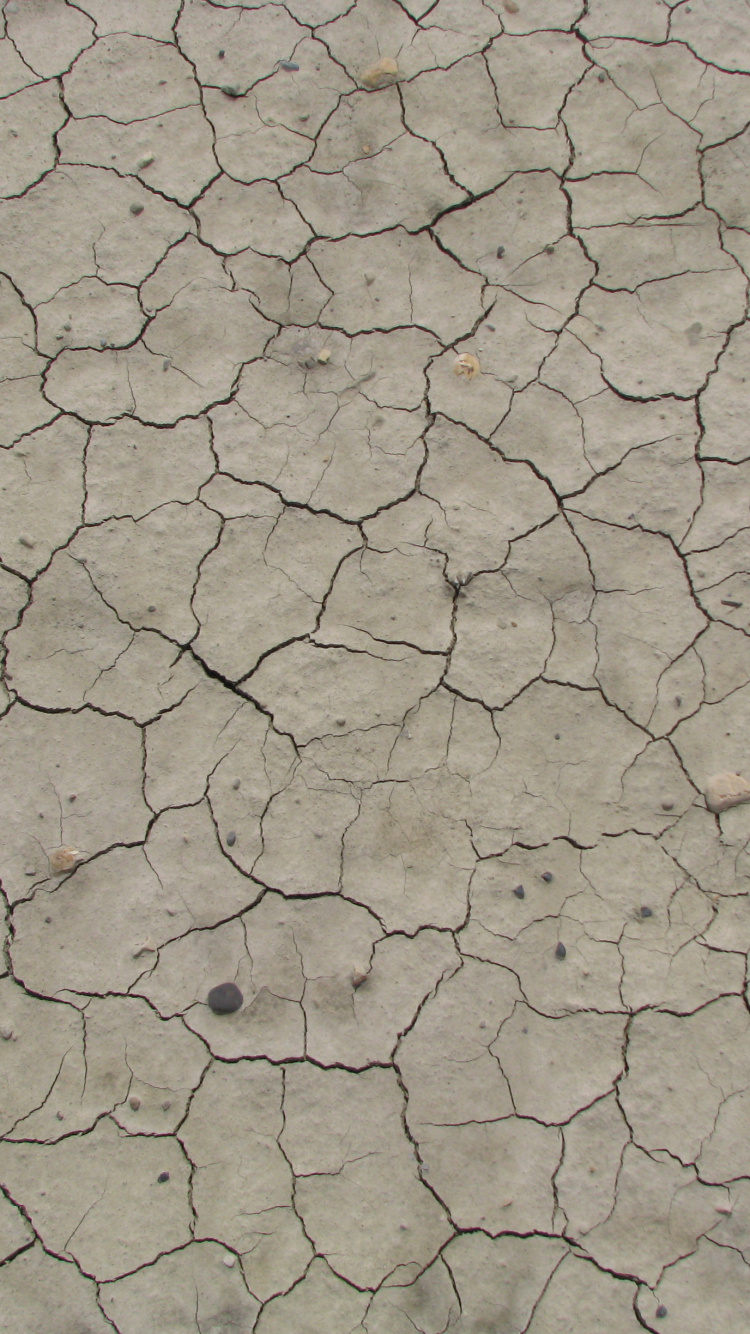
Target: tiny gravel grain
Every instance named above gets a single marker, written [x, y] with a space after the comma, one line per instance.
[519, 892]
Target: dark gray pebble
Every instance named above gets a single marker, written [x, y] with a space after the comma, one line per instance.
[221, 55]
[228, 91]
[547, 877]
[500, 251]
[225, 998]
[231, 839]
[288, 64]
[646, 912]
[162, 1177]
[601, 77]
[560, 950]
[519, 892]
[135, 209]
[661, 1311]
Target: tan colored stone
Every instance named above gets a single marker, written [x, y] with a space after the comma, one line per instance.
[726, 790]
[101, 1203]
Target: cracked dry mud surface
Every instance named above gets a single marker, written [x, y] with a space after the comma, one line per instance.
[384, 688]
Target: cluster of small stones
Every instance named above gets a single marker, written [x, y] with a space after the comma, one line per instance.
[375, 580]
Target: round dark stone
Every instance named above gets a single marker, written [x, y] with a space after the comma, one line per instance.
[661, 1311]
[162, 1177]
[519, 892]
[231, 838]
[601, 77]
[560, 951]
[225, 998]
[646, 912]
[547, 877]
[500, 251]
[222, 55]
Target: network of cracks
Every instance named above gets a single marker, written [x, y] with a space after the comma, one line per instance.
[375, 587]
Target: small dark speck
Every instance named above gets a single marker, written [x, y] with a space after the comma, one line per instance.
[560, 950]
[549, 250]
[646, 912]
[730, 602]
[557, 736]
[136, 209]
[221, 54]
[661, 1311]
[228, 91]
[48, 919]
[162, 1177]
[236, 784]
[519, 892]
[547, 877]
[152, 608]
[678, 700]
[500, 251]
[291, 65]
[231, 839]
[601, 77]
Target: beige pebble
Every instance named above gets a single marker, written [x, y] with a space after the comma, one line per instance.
[324, 355]
[64, 859]
[134, 1102]
[229, 1261]
[148, 947]
[145, 161]
[6, 1032]
[359, 979]
[382, 74]
[726, 790]
[466, 365]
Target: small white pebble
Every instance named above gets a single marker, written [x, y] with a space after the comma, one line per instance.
[6, 1032]
[134, 1102]
[229, 1261]
[324, 355]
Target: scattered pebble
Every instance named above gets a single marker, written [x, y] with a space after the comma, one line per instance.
[48, 920]
[64, 859]
[661, 1311]
[324, 355]
[510, 6]
[382, 74]
[67, 327]
[148, 947]
[145, 161]
[229, 91]
[152, 607]
[601, 76]
[136, 209]
[560, 950]
[549, 250]
[165, 365]
[667, 805]
[221, 54]
[519, 892]
[26, 542]
[646, 912]
[547, 877]
[225, 998]
[166, 1105]
[134, 1102]
[359, 979]
[341, 722]
[726, 790]
[290, 65]
[60, 1116]
[231, 838]
[730, 602]
[6, 1032]
[466, 365]
[229, 1261]
[162, 1177]
[500, 251]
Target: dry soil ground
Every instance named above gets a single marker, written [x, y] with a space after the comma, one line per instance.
[375, 541]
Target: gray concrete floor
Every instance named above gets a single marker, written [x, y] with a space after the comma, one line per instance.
[375, 542]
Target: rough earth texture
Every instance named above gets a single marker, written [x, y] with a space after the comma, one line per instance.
[375, 592]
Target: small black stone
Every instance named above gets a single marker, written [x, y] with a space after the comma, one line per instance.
[519, 892]
[661, 1311]
[228, 91]
[222, 55]
[646, 912]
[231, 839]
[547, 877]
[162, 1177]
[225, 998]
[560, 950]
[289, 64]
[500, 251]
[601, 77]
[557, 736]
